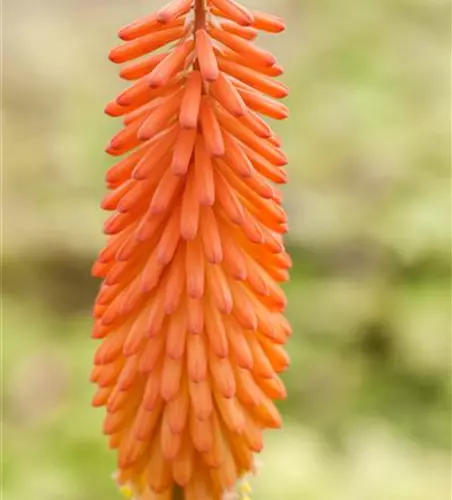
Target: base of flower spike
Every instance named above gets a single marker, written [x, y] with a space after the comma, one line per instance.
[126, 490]
[242, 491]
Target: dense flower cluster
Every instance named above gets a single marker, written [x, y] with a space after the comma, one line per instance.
[190, 311]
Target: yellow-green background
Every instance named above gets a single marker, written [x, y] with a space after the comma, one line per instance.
[368, 416]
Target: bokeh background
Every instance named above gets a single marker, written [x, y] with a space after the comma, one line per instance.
[369, 201]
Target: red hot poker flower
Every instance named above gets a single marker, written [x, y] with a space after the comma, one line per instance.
[190, 309]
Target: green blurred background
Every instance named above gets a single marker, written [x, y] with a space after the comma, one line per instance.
[369, 199]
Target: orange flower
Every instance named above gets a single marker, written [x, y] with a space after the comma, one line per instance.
[190, 309]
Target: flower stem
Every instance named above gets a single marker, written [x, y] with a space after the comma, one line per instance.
[200, 23]
[200, 14]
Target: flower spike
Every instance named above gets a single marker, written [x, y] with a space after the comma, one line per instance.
[190, 312]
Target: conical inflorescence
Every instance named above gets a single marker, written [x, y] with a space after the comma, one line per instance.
[190, 311]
